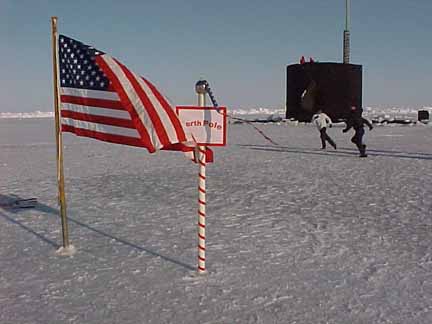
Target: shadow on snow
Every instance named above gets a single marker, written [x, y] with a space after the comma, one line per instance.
[339, 152]
[6, 204]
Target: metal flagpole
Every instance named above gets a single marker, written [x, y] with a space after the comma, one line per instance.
[201, 90]
[67, 248]
[346, 38]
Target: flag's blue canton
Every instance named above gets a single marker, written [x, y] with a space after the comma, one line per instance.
[78, 68]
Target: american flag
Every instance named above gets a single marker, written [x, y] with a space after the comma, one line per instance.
[103, 99]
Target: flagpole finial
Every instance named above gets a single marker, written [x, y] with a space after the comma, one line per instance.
[201, 86]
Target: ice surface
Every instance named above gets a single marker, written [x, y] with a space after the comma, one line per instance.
[294, 234]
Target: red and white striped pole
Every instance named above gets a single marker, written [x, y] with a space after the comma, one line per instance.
[201, 90]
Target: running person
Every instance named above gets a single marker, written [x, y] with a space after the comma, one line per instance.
[356, 121]
[322, 122]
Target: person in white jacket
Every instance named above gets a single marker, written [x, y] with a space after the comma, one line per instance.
[322, 122]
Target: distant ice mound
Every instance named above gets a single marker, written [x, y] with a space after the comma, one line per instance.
[370, 112]
[21, 115]
[259, 111]
[407, 111]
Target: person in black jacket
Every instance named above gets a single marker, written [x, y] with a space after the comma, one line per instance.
[356, 121]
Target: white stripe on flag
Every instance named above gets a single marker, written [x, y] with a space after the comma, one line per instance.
[96, 111]
[101, 128]
[135, 100]
[95, 94]
[163, 116]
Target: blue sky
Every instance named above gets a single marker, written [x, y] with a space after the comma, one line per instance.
[241, 47]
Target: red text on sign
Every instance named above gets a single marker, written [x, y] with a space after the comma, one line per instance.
[207, 123]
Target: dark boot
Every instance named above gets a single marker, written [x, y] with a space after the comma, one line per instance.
[363, 151]
[332, 143]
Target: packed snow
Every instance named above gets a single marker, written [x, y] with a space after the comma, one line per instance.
[295, 234]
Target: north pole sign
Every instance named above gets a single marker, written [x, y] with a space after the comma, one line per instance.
[207, 124]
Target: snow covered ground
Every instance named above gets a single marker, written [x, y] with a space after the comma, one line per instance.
[294, 234]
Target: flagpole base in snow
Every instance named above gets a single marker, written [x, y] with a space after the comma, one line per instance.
[66, 251]
[202, 273]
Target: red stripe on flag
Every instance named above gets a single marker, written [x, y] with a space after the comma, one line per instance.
[170, 111]
[151, 110]
[117, 139]
[85, 101]
[98, 119]
[145, 138]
